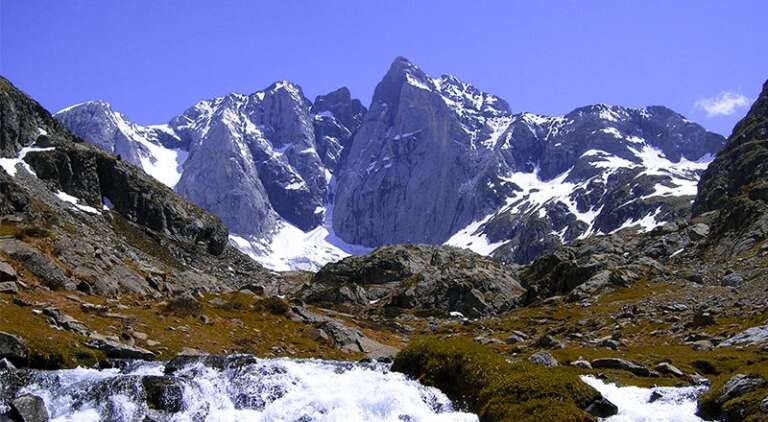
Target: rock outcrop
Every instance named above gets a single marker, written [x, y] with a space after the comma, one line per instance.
[736, 184]
[418, 277]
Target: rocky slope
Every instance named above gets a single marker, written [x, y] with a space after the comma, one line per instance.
[435, 161]
[79, 218]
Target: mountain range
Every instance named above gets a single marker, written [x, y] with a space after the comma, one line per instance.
[433, 160]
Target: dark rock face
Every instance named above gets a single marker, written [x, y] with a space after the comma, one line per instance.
[440, 279]
[743, 163]
[20, 120]
[93, 176]
[13, 348]
[736, 184]
[337, 116]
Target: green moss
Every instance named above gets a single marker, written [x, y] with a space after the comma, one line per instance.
[494, 388]
[745, 407]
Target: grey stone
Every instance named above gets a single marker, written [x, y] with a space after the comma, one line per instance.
[667, 368]
[581, 363]
[738, 385]
[602, 408]
[7, 273]
[28, 408]
[733, 280]
[13, 347]
[749, 337]
[543, 358]
[624, 365]
[117, 350]
[9, 287]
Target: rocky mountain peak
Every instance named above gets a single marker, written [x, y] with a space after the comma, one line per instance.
[340, 104]
[435, 160]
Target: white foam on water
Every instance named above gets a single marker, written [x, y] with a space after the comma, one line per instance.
[676, 404]
[258, 390]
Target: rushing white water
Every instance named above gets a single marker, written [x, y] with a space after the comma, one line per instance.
[245, 390]
[659, 404]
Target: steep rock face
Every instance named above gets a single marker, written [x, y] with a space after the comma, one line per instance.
[434, 161]
[437, 160]
[260, 162]
[743, 163]
[411, 172]
[736, 184]
[336, 118]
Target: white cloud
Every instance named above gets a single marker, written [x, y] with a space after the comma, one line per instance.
[724, 104]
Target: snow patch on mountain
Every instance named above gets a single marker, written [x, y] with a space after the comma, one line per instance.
[289, 248]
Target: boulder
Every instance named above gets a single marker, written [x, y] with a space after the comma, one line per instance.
[543, 358]
[65, 321]
[117, 350]
[163, 393]
[581, 363]
[9, 287]
[13, 348]
[602, 408]
[549, 342]
[733, 280]
[667, 368]
[750, 337]
[28, 408]
[7, 273]
[698, 231]
[739, 385]
[624, 365]
[440, 279]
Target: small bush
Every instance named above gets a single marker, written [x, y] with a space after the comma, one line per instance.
[274, 305]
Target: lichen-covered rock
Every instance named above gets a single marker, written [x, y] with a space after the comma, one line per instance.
[418, 277]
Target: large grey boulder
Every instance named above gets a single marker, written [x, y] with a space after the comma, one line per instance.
[418, 277]
[28, 408]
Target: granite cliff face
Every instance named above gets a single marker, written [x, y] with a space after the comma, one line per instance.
[437, 160]
[434, 161]
[262, 162]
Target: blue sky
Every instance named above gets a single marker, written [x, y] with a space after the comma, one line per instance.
[152, 59]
